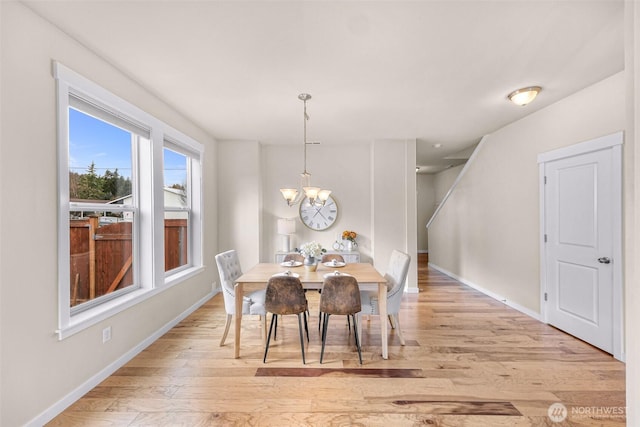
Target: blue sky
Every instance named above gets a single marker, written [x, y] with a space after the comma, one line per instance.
[109, 148]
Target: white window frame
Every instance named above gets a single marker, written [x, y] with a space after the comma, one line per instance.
[192, 185]
[149, 232]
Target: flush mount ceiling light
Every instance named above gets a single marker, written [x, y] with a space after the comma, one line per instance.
[525, 95]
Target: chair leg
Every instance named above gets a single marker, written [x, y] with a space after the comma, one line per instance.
[264, 328]
[392, 321]
[301, 337]
[325, 324]
[226, 329]
[396, 320]
[306, 325]
[275, 333]
[355, 332]
[274, 319]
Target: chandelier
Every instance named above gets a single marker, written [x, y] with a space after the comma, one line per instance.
[316, 195]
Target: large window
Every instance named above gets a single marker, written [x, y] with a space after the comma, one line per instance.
[130, 222]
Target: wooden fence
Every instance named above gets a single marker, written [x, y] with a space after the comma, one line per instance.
[101, 255]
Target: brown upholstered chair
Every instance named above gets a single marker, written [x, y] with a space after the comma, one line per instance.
[285, 295]
[340, 295]
[331, 257]
[293, 257]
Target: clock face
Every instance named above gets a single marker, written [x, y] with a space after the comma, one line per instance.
[318, 217]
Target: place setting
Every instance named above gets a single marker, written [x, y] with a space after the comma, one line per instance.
[334, 263]
[291, 263]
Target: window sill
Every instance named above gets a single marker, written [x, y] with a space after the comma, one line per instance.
[99, 313]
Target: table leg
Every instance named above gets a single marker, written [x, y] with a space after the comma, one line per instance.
[382, 306]
[239, 291]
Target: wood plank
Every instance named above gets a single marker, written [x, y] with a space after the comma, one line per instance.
[345, 372]
[472, 361]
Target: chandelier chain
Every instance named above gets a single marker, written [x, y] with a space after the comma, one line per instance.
[305, 135]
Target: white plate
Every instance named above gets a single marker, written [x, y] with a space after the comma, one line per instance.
[287, 273]
[291, 264]
[336, 265]
[335, 273]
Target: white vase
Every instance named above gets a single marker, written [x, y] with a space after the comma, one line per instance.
[350, 245]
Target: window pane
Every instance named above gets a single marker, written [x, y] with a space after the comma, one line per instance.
[99, 160]
[101, 253]
[176, 243]
[175, 177]
[176, 204]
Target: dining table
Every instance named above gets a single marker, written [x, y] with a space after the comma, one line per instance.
[369, 279]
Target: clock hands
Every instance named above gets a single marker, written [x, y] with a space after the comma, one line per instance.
[318, 211]
[318, 217]
[325, 218]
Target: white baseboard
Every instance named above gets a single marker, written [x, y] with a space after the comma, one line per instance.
[92, 382]
[488, 293]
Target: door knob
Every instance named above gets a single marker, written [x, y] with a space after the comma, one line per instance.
[604, 260]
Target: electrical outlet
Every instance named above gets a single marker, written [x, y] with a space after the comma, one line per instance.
[106, 334]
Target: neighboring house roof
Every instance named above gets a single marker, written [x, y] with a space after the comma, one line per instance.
[176, 198]
[88, 201]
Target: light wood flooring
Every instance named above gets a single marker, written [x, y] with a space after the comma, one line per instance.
[468, 361]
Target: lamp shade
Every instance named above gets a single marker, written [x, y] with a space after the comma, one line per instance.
[286, 226]
[289, 194]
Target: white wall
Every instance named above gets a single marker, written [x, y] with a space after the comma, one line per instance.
[344, 169]
[444, 180]
[373, 185]
[394, 204]
[1, 206]
[632, 195]
[487, 232]
[431, 190]
[38, 370]
[239, 196]
[426, 202]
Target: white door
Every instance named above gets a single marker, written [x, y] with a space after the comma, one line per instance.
[580, 197]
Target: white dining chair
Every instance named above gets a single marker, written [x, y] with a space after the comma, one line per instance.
[252, 303]
[396, 276]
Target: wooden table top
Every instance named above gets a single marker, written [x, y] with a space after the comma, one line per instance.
[363, 272]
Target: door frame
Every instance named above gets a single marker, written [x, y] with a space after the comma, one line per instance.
[613, 142]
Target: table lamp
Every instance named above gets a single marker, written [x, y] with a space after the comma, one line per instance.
[286, 227]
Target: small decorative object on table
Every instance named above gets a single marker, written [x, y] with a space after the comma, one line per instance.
[311, 251]
[350, 237]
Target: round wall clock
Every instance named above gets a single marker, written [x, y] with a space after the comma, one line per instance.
[318, 217]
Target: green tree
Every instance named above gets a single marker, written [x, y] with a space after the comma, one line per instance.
[74, 178]
[90, 185]
[110, 184]
[123, 186]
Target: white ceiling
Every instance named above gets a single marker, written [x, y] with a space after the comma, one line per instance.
[436, 71]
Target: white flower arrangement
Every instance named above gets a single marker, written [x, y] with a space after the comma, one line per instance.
[311, 249]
